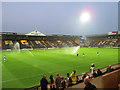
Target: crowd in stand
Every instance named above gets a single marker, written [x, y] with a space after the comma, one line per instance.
[59, 83]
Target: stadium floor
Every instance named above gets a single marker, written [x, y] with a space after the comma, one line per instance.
[24, 69]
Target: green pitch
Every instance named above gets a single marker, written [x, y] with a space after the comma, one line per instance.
[25, 69]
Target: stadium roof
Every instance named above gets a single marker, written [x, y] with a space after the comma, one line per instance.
[36, 33]
[99, 35]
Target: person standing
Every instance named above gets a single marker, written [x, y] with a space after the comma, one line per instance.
[43, 83]
[68, 80]
[4, 58]
[98, 53]
[92, 68]
[83, 54]
[63, 84]
[77, 54]
[74, 77]
[57, 81]
[52, 83]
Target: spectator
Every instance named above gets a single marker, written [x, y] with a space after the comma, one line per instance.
[88, 76]
[52, 83]
[109, 69]
[92, 68]
[94, 74]
[99, 72]
[57, 81]
[84, 76]
[68, 80]
[88, 85]
[74, 77]
[62, 84]
[43, 83]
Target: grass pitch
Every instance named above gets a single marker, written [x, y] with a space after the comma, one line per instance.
[25, 69]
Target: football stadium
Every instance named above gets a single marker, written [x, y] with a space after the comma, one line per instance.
[73, 46]
[29, 57]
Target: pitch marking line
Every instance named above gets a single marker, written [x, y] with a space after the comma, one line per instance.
[30, 52]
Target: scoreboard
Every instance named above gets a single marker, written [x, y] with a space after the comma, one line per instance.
[113, 33]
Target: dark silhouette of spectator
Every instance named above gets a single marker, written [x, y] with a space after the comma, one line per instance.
[52, 83]
[117, 68]
[88, 85]
[63, 84]
[99, 72]
[57, 81]
[109, 69]
[43, 83]
[94, 74]
[84, 76]
[68, 80]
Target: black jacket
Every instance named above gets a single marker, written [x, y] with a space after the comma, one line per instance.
[90, 86]
[99, 73]
[43, 84]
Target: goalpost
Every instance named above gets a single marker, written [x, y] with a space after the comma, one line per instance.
[76, 49]
[72, 50]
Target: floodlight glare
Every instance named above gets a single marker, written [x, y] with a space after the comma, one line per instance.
[85, 17]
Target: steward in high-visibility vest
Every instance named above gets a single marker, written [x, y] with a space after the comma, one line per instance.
[74, 77]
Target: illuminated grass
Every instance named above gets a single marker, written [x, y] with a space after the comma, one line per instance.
[27, 68]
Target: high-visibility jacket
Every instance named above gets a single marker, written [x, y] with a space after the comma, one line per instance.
[74, 78]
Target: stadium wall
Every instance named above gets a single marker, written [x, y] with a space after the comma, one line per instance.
[107, 81]
[112, 79]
